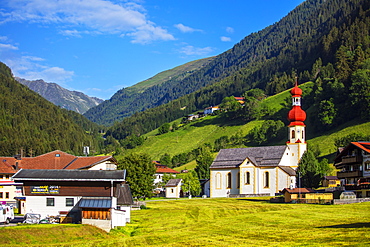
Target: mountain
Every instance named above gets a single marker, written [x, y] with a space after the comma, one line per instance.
[70, 100]
[326, 41]
[30, 123]
[143, 95]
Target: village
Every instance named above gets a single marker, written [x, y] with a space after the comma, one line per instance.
[58, 187]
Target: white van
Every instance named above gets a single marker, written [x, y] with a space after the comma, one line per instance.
[6, 214]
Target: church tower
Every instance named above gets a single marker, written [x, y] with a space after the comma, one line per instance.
[296, 116]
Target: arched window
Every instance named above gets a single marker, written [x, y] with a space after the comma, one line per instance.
[302, 134]
[247, 178]
[267, 179]
[218, 180]
[228, 180]
[238, 181]
[293, 134]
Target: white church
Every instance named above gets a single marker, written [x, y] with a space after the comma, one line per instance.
[261, 171]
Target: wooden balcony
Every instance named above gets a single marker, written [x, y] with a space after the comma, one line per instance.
[351, 159]
[349, 174]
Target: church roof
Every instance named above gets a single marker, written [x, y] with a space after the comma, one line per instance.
[173, 182]
[259, 156]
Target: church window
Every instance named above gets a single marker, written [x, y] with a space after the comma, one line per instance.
[247, 178]
[218, 180]
[293, 134]
[228, 180]
[302, 134]
[238, 182]
[267, 180]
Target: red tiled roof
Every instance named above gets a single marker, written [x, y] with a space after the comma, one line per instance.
[164, 169]
[52, 160]
[363, 145]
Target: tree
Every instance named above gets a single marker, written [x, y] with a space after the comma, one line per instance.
[190, 183]
[310, 170]
[204, 161]
[164, 128]
[166, 160]
[139, 174]
[360, 92]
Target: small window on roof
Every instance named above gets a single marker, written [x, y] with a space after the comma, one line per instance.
[57, 155]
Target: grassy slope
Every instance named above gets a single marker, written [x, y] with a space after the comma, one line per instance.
[211, 128]
[213, 222]
[166, 75]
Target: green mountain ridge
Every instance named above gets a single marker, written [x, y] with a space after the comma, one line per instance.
[30, 123]
[301, 44]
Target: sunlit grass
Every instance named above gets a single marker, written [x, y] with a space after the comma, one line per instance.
[213, 222]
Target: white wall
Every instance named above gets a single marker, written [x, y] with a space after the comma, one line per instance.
[37, 204]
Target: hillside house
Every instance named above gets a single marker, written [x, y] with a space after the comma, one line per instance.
[261, 171]
[210, 110]
[97, 197]
[354, 164]
[12, 192]
[173, 188]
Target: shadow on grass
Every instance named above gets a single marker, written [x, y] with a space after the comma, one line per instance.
[353, 225]
[253, 200]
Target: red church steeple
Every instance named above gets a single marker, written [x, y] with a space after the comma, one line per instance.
[296, 115]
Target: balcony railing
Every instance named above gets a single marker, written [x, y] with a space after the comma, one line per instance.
[351, 159]
[357, 186]
[349, 174]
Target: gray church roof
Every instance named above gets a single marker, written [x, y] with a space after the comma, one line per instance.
[259, 156]
[173, 182]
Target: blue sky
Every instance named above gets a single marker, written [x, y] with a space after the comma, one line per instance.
[98, 47]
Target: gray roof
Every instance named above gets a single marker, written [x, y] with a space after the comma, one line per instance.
[259, 156]
[173, 182]
[290, 171]
[123, 194]
[69, 175]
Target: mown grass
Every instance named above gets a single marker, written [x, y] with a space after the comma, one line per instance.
[215, 222]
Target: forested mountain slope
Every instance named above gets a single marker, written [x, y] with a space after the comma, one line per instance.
[326, 41]
[143, 95]
[35, 125]
[70, 100]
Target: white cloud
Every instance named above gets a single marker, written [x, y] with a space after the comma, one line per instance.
[186, 29]
[191, 50]
[92, 15]
[8, 47]
[229, 29]
[225, 39]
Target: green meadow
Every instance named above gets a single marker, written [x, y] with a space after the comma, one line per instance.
[213, 222]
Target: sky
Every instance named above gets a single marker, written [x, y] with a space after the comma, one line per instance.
[100, 46]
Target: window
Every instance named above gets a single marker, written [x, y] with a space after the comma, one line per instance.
[50, 202]
[228, 180]
[293, 134]
[238, 182]
[267, 178]
[302, 134]
[218, 180]
[247, 178]
[70, 202]
[1, 194]
[6, 195]
[171, 190]
[6, 176]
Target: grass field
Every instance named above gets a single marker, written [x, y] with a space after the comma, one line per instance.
[213, 222]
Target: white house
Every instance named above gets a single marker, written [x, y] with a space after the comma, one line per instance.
[259, 171]
[173, 188]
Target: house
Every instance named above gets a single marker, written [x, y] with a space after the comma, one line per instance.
[204, 185]
[211, 109]
[330, 181]
[173, 188]
[12, 192]
[261, 171]
[97, 197]
[241, 100]
[161, 170]
[306, 195]
[354, 164]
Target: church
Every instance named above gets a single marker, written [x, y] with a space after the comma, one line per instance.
[261, 171]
